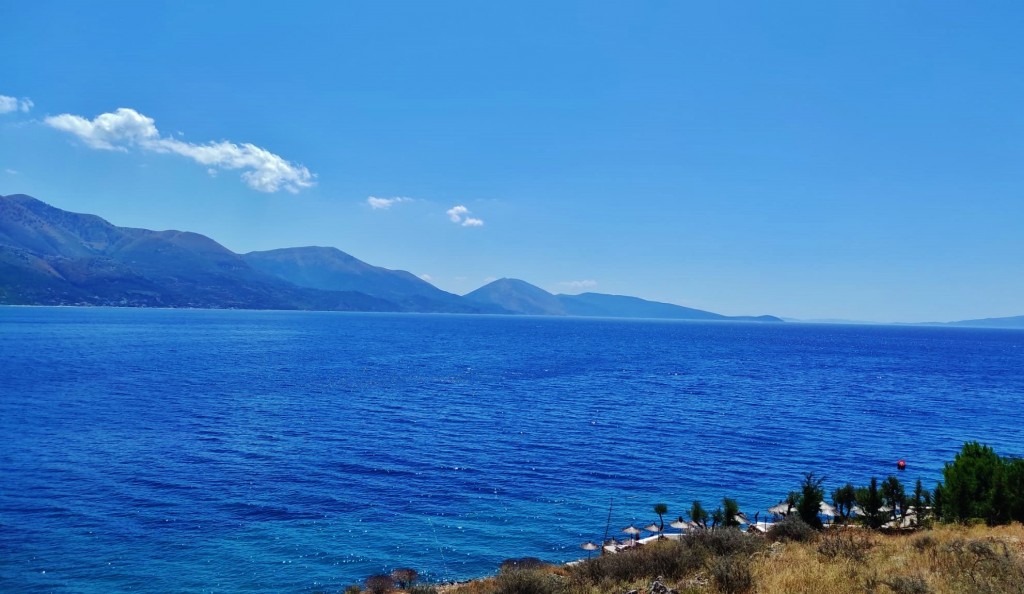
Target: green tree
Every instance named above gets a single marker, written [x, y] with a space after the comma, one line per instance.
[1015, 487]
[698, 515]
[808, 504]
[844, 499]
[974, 486]
[870, 502]
[791, 500]
[661, 509]
[895, 496]
[730, 511]
[920, 502]
[717, 517]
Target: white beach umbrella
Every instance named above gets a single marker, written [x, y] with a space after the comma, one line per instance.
[589, 547]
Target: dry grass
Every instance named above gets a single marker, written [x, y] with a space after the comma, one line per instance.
[945, 560]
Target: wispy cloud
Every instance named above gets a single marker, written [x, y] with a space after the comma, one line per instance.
[460, 215]
[126, 128]
[578, 285]
[10, 171]
[385, 203]
[9, 104]
[427, 278]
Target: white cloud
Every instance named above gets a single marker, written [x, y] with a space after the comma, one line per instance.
[427, 277]
[579, 285]
[455, 213]
[9, 104]
[459, 214]
[385, 203]
[10, 172]
[126, 128]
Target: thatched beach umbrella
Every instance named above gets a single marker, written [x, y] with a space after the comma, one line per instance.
[589, 547]
[632, 530]
[681, 524]
[827, 510]
[781, 509]
[653, 528]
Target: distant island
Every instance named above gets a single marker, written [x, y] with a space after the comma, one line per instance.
[50, 256]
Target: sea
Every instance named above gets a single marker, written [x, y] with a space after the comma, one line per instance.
[146, 450]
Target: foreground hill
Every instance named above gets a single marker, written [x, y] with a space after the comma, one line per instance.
[949, 559]
[521, 297]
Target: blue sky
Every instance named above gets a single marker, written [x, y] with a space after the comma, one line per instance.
[857, 160]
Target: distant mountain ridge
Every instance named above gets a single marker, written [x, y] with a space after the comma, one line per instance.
[53, 257]
[50, 256]
[1009, 322]
[518, 296]
[330, 269]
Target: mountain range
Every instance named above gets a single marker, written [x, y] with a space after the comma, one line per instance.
[49, 256]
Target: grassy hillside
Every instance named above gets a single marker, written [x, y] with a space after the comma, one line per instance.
[949, 559]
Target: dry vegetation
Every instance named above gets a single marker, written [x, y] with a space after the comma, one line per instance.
[945, 560]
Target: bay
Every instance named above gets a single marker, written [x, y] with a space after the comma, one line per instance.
[219, 451]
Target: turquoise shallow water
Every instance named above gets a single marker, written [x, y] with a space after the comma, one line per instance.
[220, 451]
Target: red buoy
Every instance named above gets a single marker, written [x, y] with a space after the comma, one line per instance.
[902, 465]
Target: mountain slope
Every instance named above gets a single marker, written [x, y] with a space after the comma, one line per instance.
[51, 256]
[1010, 322]
[331, 269]
[519, 297]
[619, 306]
[523, 298]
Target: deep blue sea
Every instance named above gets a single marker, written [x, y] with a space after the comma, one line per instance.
[225, 451]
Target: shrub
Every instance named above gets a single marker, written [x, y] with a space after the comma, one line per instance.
[982, 567]
[527, 581]
[380, 584]
[668, 559]
[924, 542]
[724, 542]
[843, 544]
[353, 589]
[732, 574]
[422, 589]
[404, 576]
[908, 584]
[522, 563]
[792, 528]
